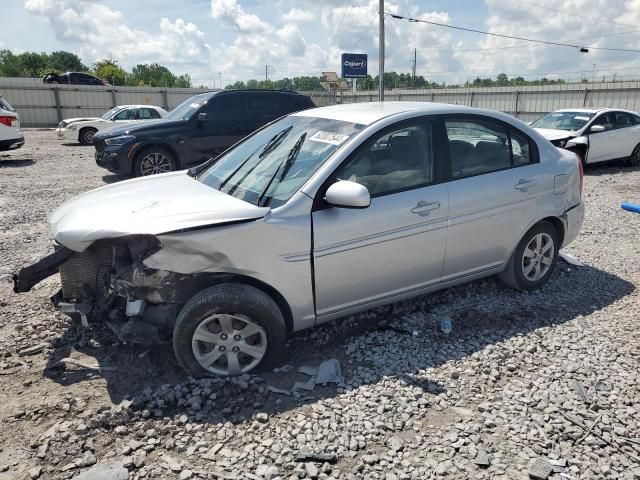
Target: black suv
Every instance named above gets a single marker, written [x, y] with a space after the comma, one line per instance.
[200, 128]
[73, 78]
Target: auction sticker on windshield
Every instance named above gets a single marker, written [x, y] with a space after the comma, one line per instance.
[329, 137]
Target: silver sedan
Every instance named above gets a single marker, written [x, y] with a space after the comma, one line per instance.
[320, 214]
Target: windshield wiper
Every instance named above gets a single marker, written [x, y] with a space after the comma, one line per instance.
[269, 147]
[195, 171]
[285, 165]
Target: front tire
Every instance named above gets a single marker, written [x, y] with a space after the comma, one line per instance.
[227, 330]
[534, 259]
[154, 161]
[86, 136]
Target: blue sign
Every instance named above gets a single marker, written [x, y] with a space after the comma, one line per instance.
[354, 65]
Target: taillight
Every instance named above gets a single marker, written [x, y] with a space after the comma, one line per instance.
[7, 120]
[581, 171]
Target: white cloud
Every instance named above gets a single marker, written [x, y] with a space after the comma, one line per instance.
[100, 32]
[296, 15]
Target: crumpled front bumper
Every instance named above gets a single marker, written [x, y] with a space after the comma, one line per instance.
[30, 275]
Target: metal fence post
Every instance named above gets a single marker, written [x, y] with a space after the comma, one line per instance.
[584, 99]
[471, 99]
[56, 96]
[515, 113]
[113, 98]
[165, 100]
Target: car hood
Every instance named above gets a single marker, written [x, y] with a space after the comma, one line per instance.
[130, 128]
[553, 134]
[83, 119]
[148, 205]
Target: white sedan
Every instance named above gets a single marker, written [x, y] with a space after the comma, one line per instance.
[83, 129]
[595, 135]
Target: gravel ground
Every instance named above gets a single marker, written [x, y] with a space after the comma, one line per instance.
[538, 385]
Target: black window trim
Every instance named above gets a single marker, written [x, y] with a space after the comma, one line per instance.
[438, 154]
[444, 140]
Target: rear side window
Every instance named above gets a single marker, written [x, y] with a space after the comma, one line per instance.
[5, 105]
[263, 108]
[483, 146]
[148, 113]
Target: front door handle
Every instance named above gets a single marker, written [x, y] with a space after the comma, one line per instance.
[524, 184]
[423, 208]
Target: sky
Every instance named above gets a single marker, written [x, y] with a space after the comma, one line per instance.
[221, 41]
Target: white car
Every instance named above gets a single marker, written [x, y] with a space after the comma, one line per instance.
[11, 136]
[595, 135]
[83, 129]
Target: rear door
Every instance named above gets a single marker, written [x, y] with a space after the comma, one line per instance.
[224, 127]
[627, 134]
[397, 244]
[494, 181]
[264, 107]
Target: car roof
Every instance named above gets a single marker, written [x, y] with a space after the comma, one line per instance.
[371, 112]
[138, 106]
[595, 110]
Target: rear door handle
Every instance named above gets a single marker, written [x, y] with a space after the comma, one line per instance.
[423, 208]
[524, 184]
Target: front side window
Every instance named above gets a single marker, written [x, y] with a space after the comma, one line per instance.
[225, 114]
[123, 115]
[269, 167]
[477, 147]
[394, 161]
[262, 108]
[606, 120]
[186, 109]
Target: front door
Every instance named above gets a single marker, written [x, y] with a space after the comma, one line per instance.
[396, 245]
[222, 128]
[602, 144]
[495, 180]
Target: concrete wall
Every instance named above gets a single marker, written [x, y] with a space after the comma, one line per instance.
[41, 105]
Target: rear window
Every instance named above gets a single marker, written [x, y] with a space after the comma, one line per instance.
[5, 105]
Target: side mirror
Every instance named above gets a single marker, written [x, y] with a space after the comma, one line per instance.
[203, 117]
[347, 194]
[596, 128]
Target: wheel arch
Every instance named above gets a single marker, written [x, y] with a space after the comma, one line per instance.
[156, 144]
[557, 223]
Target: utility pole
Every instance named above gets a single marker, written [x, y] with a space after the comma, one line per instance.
[266, 73]
[415, 59]
[381, 52]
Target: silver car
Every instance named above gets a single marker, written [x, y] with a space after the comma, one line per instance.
[320, 214]
[595, 135]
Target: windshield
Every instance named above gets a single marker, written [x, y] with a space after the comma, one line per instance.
[563, 120]
[110, 113]
[186, 108]
[272, 165]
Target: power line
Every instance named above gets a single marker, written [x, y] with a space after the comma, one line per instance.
[531, 40]
[573, 14]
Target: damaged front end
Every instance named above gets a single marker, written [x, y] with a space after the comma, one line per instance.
[108, 280]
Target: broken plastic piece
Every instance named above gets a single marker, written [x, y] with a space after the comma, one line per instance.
[445, 325]
[570, 259]
[329, 371]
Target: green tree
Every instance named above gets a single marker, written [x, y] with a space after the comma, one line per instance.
[502, 80]
[32, 64]
[9, 65]
[62, 61]
[110, 71]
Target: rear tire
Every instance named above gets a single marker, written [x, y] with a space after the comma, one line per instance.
[153, 161]
[86, 136]
[634, 159]
[227, 330]
[534, 259]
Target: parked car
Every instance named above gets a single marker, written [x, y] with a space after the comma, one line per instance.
[73, 78]
[595, 135]
[11, 136]
[202, 126]
[321, 214]
[83, 129]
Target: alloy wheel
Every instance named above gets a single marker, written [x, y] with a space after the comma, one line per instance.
[155, 163]
[225, 344]
[87, 136]
[538, 256]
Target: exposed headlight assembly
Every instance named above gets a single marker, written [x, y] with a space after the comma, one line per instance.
[73, 126]
[121, 140]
